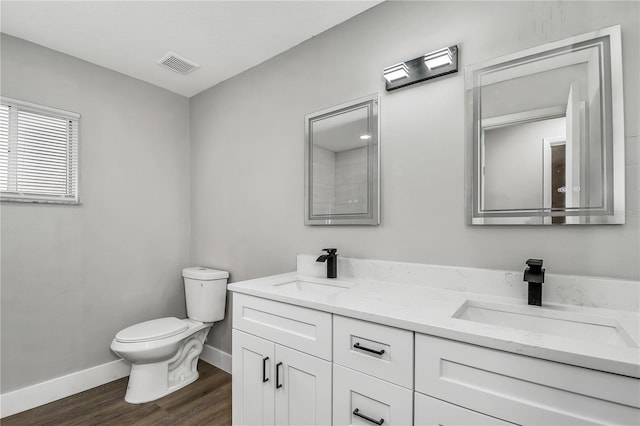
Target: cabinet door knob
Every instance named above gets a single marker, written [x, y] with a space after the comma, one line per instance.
[356, 412]
[278, 384]
[264, 369]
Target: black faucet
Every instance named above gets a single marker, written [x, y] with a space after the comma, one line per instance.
[534, 275]
[332, 261]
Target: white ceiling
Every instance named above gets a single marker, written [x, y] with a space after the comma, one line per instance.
[223, 37]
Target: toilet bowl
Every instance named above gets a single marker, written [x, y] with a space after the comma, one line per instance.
[164, 352]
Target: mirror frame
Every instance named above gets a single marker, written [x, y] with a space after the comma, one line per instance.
[613, 211]
[372, 216]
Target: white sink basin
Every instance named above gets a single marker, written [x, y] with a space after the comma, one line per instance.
[573, 325]
[315, 287]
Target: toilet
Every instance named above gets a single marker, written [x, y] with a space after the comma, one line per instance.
[164, 352]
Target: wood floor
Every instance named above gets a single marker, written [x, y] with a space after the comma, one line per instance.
[207, 401]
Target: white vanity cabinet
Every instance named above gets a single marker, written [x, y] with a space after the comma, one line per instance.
[300, 366]
[519, 389]
[273, 383]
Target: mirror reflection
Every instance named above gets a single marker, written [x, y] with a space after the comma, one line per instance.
[342, 159]
[546, 134]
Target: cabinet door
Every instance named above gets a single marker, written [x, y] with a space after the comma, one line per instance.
[430, 411]
[363, 400]
[252, 380]
[302, 388]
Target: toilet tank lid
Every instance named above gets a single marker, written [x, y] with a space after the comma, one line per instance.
[202, 273]
[152, 330]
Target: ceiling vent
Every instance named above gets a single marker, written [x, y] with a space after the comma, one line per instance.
[177, 63]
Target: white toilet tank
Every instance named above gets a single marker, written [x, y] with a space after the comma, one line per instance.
[205, 292]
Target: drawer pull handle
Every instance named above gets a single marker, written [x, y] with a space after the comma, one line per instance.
[373, 351]
[356, 412]
[264, 369]
[278, 384]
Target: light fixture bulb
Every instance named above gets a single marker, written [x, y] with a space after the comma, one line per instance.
[365, 137]
[396, 72]
[438, 58]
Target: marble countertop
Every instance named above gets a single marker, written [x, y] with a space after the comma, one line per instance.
[432, 310]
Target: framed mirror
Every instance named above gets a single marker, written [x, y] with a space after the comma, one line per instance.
[545, 134]
[342, 164]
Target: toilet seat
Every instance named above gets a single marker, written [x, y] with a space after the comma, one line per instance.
[152, 330]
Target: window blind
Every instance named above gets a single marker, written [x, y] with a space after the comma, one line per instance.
[4, 146]
[39, 153]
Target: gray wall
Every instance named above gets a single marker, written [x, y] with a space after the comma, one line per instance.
[247, 147]
[72, 276]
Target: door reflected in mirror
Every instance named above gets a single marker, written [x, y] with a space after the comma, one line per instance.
[545, 134]
[341, 148]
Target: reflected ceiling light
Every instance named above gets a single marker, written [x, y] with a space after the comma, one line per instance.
[435, 64]
[396, 72]
[438, 58]
[365, 137]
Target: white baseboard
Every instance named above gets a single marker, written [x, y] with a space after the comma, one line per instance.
[217, 358]
[61, 387]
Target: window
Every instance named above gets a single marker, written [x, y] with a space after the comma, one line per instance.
[38, 153]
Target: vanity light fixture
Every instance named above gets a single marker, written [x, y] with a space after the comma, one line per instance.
[365, 137]
[431, 65]
[396, 72]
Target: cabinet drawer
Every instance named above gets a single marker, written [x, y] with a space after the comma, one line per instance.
[375, 349]
[304, 329]
[523, 389]
[430, 411]
[359, 399]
